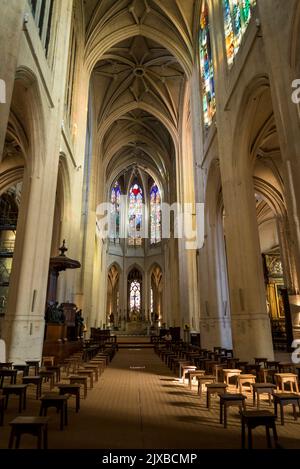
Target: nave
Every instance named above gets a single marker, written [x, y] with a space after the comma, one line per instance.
[139, 403]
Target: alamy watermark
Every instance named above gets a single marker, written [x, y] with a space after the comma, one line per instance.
[296, 93]
[181, 221]
[296, 353]
[2, 92]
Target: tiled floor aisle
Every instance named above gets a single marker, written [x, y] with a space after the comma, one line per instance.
[138, 403]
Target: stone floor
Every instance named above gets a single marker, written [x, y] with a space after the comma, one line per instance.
[138, 403]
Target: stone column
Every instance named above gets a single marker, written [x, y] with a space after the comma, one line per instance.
[24, 321]
[251, 330]
[277, 35]
[11, 20]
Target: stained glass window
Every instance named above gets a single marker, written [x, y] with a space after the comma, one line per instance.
[237, 15]
[135, 215]
[135, 296]
[155, 215]
[115, 212]
[206, 65]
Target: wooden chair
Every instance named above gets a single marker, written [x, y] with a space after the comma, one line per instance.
[73, 389]
[230, 373]
[205, 379]
[37, 426]
[284, 399]
[48, 361]
[245, 379]
[262, 388]
[229, 400]
[2, 403]
[214, 388]
[37, 381]
[19, 390]
[60, 402]
[76, 379]
[35, 364]
[291, 378]
[254, 418]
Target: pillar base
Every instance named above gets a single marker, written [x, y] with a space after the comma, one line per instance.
[24, 337]
[252, 336]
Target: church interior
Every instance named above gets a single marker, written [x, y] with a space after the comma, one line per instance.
[149, 224]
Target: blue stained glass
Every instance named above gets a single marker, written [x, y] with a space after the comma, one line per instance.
[115, 212]
[206, 66]
[237, 15]
[135, 215]
[155, 215]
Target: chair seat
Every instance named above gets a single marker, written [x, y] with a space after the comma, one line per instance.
[232, 397]
[26, 420]
[285, 396]
[264, 386]
[248, 414]
[217, 385]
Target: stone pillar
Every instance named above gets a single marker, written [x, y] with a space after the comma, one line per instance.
[251, 330]
[24, 321]
[277, 35]
[11, 20]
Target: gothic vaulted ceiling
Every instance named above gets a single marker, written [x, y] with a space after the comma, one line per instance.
[140, 55]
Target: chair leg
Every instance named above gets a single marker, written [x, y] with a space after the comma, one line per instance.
[39, 439]
[268, 437]
[294, 412]
[249, 437]
[281, 414]
[243, 433]
[11, 439]
[18, 440]
[275, 436]
[45, 432]
[225, 415]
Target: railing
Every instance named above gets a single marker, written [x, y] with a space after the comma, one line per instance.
[7, 247]
[9, 220]
[4, 273]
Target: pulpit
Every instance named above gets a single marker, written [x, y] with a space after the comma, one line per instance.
[61, 331]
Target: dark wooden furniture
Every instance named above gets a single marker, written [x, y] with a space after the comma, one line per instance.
[214, 388]
[37, 381]
[204, 380]
[89, 374]
[75, 379]
[193, 374]
[262, 388]
[37, 426]
[59, 402]
[259, 360]
[48, 375]
[56, 370]
[230, 400]
[35, 364]
[7, 365]
[73, 389]
[6, 373]
[245, 379]
[254, 418]
[23, 368]
[2, 402]
[19, 390]
[284, 399]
